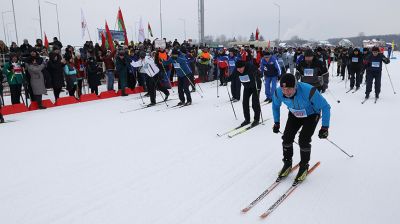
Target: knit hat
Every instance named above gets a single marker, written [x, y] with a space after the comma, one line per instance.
[288, 80]
[240, 64]
[308, 53]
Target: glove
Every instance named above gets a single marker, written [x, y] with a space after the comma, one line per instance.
[323, 133]
[276, 128]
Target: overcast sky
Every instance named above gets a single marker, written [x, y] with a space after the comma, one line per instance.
[310, 19]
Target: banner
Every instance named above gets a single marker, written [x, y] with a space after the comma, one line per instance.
[160, 44]
[116, 35]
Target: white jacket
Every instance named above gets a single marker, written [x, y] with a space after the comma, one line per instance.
[147, 66]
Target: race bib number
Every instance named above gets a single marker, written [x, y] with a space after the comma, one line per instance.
[354, 59]
[308, 72]
[244, 78]
[376, 64]
[177, 65]
[232, 64]
[298, 113]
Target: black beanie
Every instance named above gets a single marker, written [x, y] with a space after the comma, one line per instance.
[240, 64]
[308, 53]
[288, 80]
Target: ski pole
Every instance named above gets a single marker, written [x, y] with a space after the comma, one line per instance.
[258, 97]
[350, 156]
[217, 85]
[338, 101]
[230, 99]
[192, 83]
[387, 71]
[1, 100]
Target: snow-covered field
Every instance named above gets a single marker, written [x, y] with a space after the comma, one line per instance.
[89, 163]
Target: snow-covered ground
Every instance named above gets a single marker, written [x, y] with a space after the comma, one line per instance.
[89, 163]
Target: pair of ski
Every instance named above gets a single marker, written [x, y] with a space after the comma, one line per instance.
[175, 107]
[354, 91]
[239, 130]
[282, 198]
[366, 99]
[145, 107]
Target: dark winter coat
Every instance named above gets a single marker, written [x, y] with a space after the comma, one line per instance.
[249, 78]
[374, 63]
[356, 62]
[93, 73]
[312, 73]
[122, 66]
[56, 71]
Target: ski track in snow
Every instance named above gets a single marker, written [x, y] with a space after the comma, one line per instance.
[88, 163]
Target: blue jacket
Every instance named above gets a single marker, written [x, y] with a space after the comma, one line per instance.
[299, 59]
[232, 63]
[300, 101]
[180, 64]
[270, 68]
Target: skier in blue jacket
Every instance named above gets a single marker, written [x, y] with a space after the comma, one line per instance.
[305, 104]
[183, 71]
[271, 69]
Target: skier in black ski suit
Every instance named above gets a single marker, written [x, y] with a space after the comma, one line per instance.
[355, 66]
[251, 81]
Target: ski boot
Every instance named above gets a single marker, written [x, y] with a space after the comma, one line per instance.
[301, 175]
[287, 167]
[244, 123]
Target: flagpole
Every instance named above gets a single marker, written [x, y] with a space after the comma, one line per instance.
[87, 28]
[161, 20]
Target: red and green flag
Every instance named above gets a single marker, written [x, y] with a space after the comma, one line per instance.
[257, 33]
[109, 40]
[46, 41]
[104, 44]
[149, 29]
[121, 25]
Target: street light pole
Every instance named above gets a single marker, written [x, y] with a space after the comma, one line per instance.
[279, 22]
[58, 21]
[15, 22]
[4, 26]
[40, 20]
[184, 26]
[9, 30]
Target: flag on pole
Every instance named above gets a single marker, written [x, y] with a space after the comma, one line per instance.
[46, 41]
[257, 33]
[104, 44]
[83, 24]
[149, 29]
[109, 39]
[121, 25]
[141, 36]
